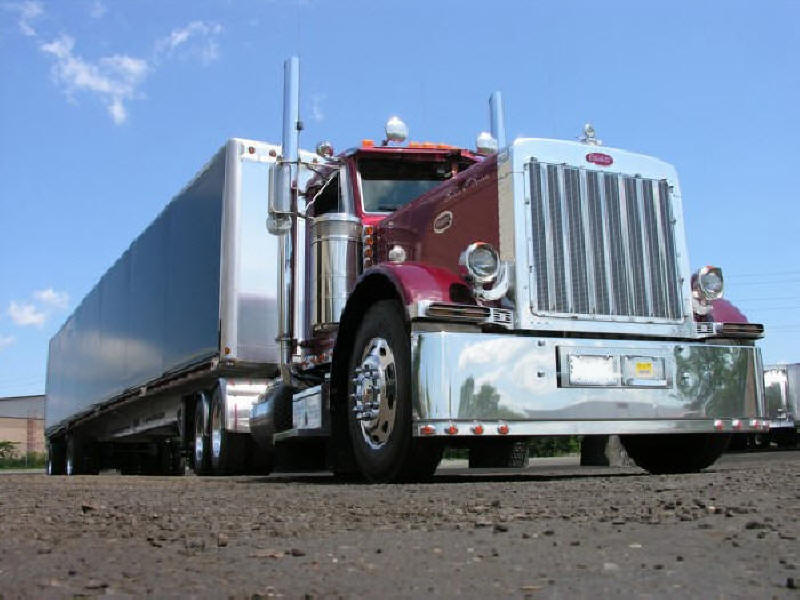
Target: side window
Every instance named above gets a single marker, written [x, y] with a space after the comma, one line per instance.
[327, 197]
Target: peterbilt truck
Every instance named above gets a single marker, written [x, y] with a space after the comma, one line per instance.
[403, 297]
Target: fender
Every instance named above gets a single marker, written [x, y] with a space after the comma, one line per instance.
[415, 281]
[408, 283]
[723, 311]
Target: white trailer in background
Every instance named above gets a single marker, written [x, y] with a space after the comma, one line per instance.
[782, 402]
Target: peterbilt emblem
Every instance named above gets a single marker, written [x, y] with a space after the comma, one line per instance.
[599, 158]
[442, 222]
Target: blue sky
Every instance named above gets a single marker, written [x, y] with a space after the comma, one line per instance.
[108, 107]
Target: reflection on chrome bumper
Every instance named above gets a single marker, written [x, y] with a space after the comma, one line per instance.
[468, 378]
[485, 428]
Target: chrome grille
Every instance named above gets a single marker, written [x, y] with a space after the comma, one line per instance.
[603, 244]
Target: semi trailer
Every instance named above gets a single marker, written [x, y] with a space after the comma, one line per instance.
[361, 311]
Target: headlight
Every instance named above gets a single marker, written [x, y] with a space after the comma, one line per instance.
[710, 282]
[481, 262]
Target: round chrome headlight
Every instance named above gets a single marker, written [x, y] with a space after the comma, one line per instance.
[710, 282]
[481, 262]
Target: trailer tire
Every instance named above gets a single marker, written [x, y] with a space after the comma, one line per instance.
[383, 447]
[675, 453]
[499, 455]
[227, 448]
[201, 456]
[56, 456]
[82, 457]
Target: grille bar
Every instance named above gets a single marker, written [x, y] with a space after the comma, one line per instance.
[602, 244]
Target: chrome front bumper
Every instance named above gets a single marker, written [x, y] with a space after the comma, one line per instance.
[501, 384]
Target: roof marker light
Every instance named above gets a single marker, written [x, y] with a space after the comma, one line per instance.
[452, 430]
[477, 429]
[502, 429]
[427, 430]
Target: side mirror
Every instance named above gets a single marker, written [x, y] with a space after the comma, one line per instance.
[279, 218]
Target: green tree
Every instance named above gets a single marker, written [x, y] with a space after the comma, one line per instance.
[7, 449]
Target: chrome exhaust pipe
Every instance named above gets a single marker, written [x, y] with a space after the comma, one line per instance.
[286, 203]
[497, 119]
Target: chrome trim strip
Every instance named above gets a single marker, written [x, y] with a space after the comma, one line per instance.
[601, 188]
[587, 237]
[586, 427]
[625, 238]
[662, 247]
[567, 242]
[551, 269]
[648, 276]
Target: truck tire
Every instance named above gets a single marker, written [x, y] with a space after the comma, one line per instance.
[675, 453]
[201, 455]
[227, 448]
[499, 455]
[56, 456]
[383, 447]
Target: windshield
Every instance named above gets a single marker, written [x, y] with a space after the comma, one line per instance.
[386, 185]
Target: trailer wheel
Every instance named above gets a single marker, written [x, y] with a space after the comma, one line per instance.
[81, 456]
[201, 462]
[227, 448]
[675, 453]
[499, 455]
[56, 456]
[379, 399]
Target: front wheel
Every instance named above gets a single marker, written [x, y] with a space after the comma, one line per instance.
[675, 453]
[379, 400]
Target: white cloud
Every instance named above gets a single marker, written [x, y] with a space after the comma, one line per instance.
[115, 79]
[316, 107]
[197, 39]
[6, 341]
[50, 297]
[28, 11]
[97, 10]
[26, 314]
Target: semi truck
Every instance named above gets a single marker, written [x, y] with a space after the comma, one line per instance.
[361, 311]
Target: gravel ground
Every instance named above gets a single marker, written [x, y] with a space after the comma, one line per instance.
[552, 531]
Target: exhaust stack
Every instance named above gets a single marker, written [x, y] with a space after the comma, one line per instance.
[496, 119]
[285, 204]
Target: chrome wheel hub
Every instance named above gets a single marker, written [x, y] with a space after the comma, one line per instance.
[216, 432]
[374, 398]
[199, 444]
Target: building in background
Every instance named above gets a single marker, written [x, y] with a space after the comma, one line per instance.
[22, 422]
